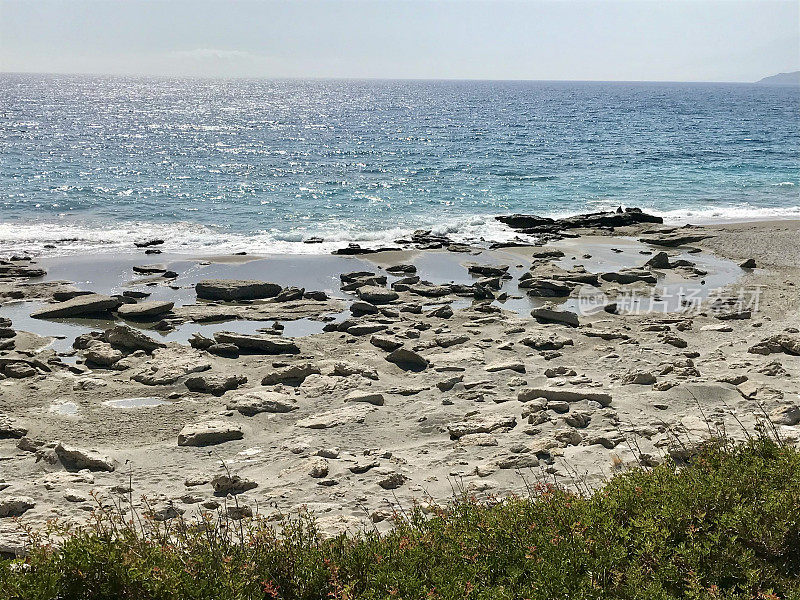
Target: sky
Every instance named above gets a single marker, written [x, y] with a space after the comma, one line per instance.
[608, 40]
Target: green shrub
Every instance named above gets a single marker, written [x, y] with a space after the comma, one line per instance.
[723, 526]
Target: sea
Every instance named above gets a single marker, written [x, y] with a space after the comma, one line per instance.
[93, 163]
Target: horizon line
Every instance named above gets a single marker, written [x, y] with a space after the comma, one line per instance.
[373, 78]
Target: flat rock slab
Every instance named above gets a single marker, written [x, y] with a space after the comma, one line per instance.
[209, 433]
[565, 393]
[253, 402]
[408, 360]
[15, 506]
[76, 458]
[290, 374]
[374, 398]
[216, 385]
[144, 310]
[259, 344]
[236, 289]
[512, 365]
[88, 304]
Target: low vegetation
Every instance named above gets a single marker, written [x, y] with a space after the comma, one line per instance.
[723, 526]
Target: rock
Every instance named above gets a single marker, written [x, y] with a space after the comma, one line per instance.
[788, 414]
[733, 315]
[216, 385]
[235, 289]
[15, 506]
[443, 312]
[783, 342]
[77, 459]
[478, 439]
[546, 288]
[672, 240]
[102, 354]
[224, 350]
[290, 294]
[512, 365]
[659, 261]
[384, 342]
[518, 461]
[718, 328]
[578, 418]
[488, 270]
[748, 264]
[350, 414]
[17, 370]
[480, 424]
[231, 484]
[9, 429]
[552, 315]
[430, 290]
[317, 295]
[449, 384]
[392, 480]
[209, 433]
[318, 467]
[363, 466]
[566, 393]
[144, 310]
[401, 269]
[560, 371]
[547, 342]
[674, 340]
[451, 339]
[128, 338]
[88, 304]
[408, 360]
[624, 276]
[518, 221]
[149, 269]
[292, 374]
[373, 398]
[258, 344]
[377, 295]
[638, 378]
[345, 369]
[253, 402]
[359, 307]
[148, 243]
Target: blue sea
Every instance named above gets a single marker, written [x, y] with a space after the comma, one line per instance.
[92, 163]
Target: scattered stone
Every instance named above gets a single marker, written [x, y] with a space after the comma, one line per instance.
[128, 338]
[384, 342]
[253, 402]
[484, 424]
[377, 295]
[512, 365]
[783, 342]
[748, 264]
[9, 429]
[392, 480]
[259, 344]
[638, 378]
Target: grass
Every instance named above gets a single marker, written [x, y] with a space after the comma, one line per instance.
[723, 526]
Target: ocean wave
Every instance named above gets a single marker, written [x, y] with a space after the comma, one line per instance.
[58, 239]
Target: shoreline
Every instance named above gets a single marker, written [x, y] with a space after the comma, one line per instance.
[388, 389]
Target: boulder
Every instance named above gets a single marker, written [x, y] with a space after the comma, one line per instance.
[209, 433]
[236, 289]
[144, 310]
[373, 398]
[232, 484]
[87, 304]
[9, 429]
[385, 342]
[102, 354]
[290, 294]
[624, 276]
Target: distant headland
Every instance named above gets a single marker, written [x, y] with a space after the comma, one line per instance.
[791, 78]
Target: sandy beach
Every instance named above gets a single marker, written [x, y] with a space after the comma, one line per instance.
[361, 383]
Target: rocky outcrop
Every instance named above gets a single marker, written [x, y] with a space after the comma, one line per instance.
[128, 338]
[618, 218]
[77, 459]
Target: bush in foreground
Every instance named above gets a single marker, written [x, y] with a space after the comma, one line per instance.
[723, 526]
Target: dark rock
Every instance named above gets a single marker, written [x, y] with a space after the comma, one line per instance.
[89, 304]
[234, 289]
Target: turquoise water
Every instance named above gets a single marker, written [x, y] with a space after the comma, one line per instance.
[224, 165]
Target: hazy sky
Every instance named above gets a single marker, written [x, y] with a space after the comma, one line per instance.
[673, 40]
